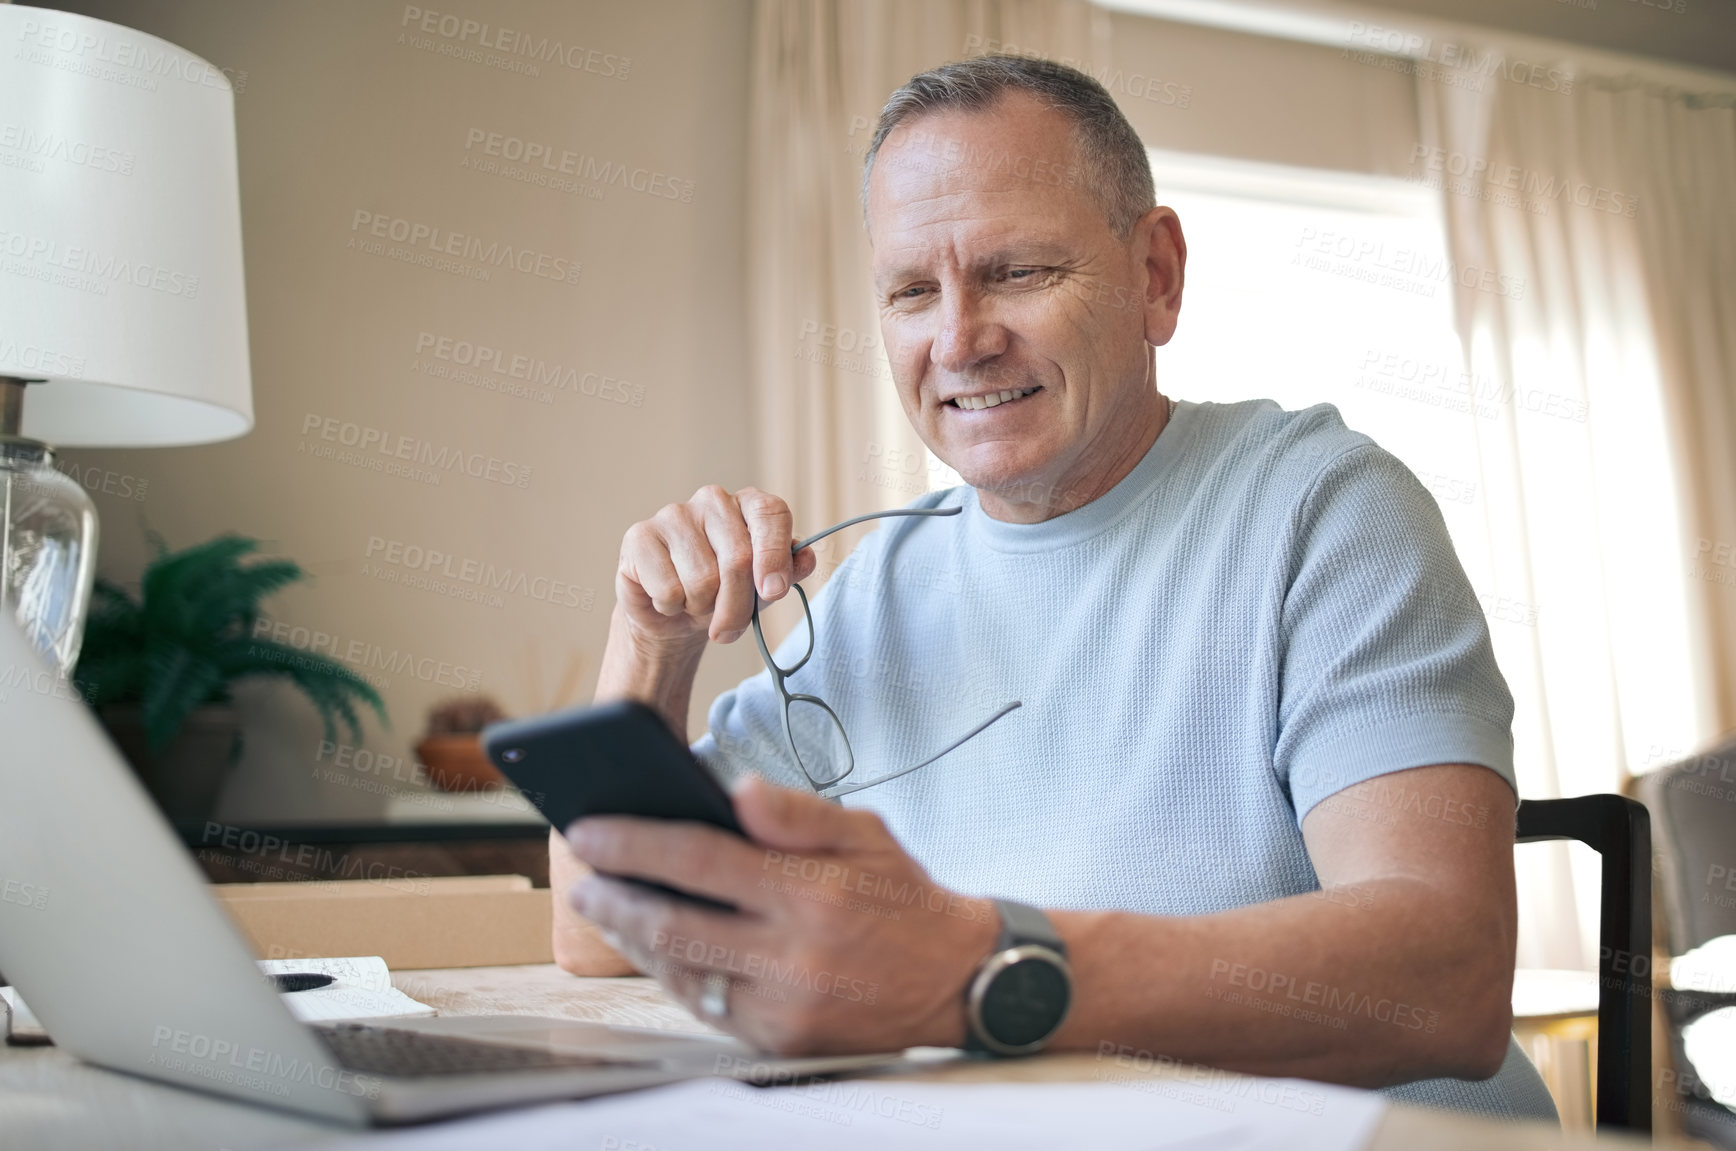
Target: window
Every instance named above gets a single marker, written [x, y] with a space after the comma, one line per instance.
[1307, 286]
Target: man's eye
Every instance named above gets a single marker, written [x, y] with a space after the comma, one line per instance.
[1018, 274]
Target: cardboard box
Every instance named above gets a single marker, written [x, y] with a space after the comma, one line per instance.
[458, 921]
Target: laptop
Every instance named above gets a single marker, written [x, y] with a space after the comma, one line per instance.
[109, 933]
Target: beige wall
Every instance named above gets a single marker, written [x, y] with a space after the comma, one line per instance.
[1255, 98]
[343, 109]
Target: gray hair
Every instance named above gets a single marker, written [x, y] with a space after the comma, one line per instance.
[1113, 162]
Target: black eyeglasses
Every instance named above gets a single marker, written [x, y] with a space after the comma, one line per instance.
[813, 730]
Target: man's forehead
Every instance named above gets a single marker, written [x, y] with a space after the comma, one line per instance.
[911, 243]
[972, 170]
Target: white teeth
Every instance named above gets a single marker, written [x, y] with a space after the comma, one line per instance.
[978, 403]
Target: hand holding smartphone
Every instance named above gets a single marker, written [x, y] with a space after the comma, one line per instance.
[613, 759]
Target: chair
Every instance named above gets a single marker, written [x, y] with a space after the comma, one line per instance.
[1694, 804]
[1619, 830]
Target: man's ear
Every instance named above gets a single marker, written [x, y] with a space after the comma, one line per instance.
[1162, 248]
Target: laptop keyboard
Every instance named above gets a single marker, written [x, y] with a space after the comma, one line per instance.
[409, 1054]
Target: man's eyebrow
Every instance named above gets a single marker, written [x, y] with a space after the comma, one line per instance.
[1030, 251]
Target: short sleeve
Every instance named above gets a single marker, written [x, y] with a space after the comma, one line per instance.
[1385, 659]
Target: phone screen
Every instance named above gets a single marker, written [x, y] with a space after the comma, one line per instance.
[613, 759]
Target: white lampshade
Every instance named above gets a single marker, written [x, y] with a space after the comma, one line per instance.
[120, 236]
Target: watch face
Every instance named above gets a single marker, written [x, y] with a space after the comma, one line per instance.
[1026, 1002]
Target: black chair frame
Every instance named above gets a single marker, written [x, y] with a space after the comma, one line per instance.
[1620, 831]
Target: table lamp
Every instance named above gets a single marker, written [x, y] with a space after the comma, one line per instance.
[123, 318]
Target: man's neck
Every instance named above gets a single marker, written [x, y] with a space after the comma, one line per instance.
[1098, 470]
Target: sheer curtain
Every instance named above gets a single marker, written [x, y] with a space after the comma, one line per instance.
[1593, 239]
[835, 442]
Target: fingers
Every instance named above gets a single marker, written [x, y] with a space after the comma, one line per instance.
[665, 937]
[804, 563]
[689, 856]
[704, 559]
[733, 549]
[769, 522]
[788, 820]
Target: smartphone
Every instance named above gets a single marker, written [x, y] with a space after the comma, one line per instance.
[617, 758]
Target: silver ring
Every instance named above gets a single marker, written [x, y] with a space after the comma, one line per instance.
[714, 998]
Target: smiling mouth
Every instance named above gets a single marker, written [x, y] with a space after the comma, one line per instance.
[992, 400]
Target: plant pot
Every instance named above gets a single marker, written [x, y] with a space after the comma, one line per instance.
[186, 777]
[457, 763]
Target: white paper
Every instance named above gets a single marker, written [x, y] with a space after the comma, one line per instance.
[1148, 1114]
[361, 989]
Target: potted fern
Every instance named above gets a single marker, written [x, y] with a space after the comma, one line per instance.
[158, 671]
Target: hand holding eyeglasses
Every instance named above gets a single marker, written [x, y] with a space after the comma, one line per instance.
[692, 571]
[704, 567]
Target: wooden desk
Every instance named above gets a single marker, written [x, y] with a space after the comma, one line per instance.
[52, 1102]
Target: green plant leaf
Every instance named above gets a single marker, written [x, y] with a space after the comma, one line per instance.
[189, 638]
[177, 681]
[331, 686]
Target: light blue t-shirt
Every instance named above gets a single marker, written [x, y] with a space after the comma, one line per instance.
[1264, 611]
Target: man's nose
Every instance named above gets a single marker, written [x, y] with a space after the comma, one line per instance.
[969, 333]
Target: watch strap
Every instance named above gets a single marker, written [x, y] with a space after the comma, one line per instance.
[1021, 923]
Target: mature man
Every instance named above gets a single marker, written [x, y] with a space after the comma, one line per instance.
[1261, 777]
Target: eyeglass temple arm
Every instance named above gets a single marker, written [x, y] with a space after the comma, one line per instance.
[846, 789]
[818, 536]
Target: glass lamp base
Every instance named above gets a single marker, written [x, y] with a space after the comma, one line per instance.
[48, 538]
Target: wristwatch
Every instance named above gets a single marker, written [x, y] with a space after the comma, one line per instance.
[1021, 992]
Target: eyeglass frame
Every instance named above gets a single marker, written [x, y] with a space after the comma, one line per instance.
[836, 788]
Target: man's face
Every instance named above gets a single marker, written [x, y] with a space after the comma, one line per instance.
[996, 271]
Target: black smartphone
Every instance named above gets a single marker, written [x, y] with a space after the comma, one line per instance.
[616, 758]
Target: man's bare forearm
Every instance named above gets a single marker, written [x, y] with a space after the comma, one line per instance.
[1367, 985]
[664, 683]
[661, 680]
